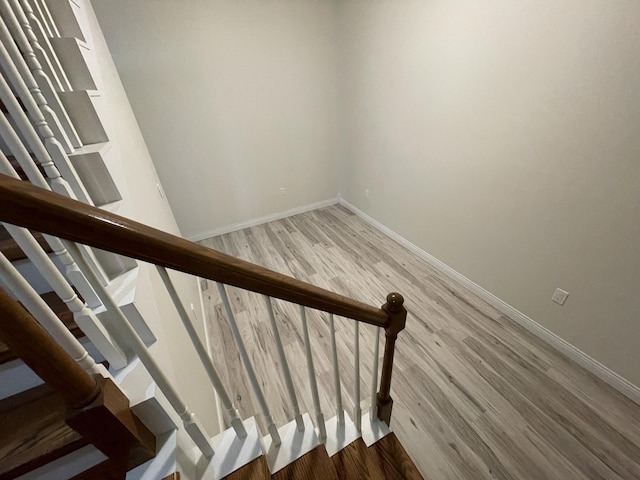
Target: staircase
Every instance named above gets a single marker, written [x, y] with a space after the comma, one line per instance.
[84, 388]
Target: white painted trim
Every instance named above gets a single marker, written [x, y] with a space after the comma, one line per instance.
[295, 444]
[621, 384]
[221, 421]
[260, 220]
[232, 452]
[339, 436]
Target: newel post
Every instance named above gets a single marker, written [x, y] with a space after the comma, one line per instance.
[397, 321]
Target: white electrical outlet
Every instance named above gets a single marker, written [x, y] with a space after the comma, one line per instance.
[560, 296]
[283, 192]
[366, 192]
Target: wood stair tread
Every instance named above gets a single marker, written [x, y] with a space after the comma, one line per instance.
[315, 465]
[33, 431]
[63, 313]
[12, 251]
[355, 461]
[393, 461]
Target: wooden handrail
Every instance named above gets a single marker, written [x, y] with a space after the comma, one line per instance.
[96, 407]
[28, 206]
[27, 339]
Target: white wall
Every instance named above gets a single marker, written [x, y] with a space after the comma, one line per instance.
[235, 99]
[137, 180]
[502, 138]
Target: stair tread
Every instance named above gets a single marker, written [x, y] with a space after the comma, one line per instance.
[256, 470]
[355, 461]
[392, 459]
[12, 251]
[63, 313]
[33, 431]
[315, 465]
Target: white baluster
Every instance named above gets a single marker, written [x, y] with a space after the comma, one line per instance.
[48, 18]
[33, 174]
[322, 432]
[374, 377]
[253, 379]
[37, 10]
[52, 150]
[38, 39]
[58, 184]
[190, 422]
[43, 314]
[26, 61]
[357, 414]
[336, 372]
[84, 317]
[24, 43]
[230, 409]
[286, 372]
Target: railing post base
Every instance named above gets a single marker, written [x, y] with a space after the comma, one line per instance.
[110, 425]
[384, 408]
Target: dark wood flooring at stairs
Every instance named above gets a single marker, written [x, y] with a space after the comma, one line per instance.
[315, 465]
[385, 460]
[356, 461]
[33, 432]
[256, 470]
[392, 460]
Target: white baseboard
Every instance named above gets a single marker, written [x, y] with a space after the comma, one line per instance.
[598, 369]
[260, 220]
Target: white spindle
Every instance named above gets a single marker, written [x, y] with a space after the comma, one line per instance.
[33, 174]
[374, 377]
[51, 150]
[48, 19]
[336, 371]
[38, 39]
[357, 414]
[286, 372]
[312, 377]
[190, 422]
[34, 75]
[84, 317]
[37, 10]
[13, 141]
[230, 409]
[43, 314]
[253, 379]
[58, 184]
[31, 42]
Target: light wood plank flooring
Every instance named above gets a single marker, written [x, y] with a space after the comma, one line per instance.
[476, 395]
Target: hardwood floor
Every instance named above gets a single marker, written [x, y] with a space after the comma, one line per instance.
[476, 395]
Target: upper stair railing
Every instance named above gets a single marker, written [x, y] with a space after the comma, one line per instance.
[35, 208]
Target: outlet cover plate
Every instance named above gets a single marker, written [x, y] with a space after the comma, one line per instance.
[560, 296]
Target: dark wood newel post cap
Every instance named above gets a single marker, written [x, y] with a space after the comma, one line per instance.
[397, 314]
[395, 302]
